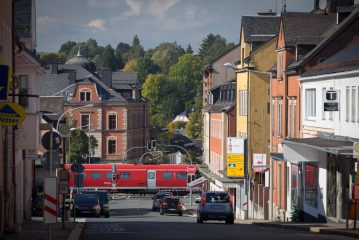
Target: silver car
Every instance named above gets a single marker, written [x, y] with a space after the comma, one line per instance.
[215, 205]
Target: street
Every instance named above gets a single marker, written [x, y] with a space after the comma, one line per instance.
[132, 218]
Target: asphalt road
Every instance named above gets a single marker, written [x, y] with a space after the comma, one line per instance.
[132, 218]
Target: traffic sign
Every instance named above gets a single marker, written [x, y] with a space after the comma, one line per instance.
[64, 130]
[55, 159]
[191, 169]
[11, 114]
[77, 167]
[56, 140]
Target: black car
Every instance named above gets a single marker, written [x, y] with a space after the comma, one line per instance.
[103, 197]
[157, 199]
[171, 205]
[88, 203]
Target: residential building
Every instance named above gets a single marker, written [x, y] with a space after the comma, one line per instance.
[258, 43]
[119, 117]
[18, 144]
[298, 34]
[322, 162]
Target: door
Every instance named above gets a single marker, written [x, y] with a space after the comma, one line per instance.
[151, 179]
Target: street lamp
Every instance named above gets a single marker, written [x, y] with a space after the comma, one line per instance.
[69, 110]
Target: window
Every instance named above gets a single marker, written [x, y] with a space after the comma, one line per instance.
[310, 101]
[111, 146]
[353, 103]
[243, 102]
[280, 64]
[85, 96]
[85, 121]
[95, 175]
[272, 120]
[294, 185]
[280, 121]
[331, 113]
[324, 99]
[109, 175]
[167, 175]
[124, 175]
[112, 120]
[151, 175]
[289, 120]
[294, 118]
[347, 104]
[181, 175]
[311, 183]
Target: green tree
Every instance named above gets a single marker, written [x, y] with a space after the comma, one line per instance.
[172, 126]
[144, 67]
[107, 59]
[186, 74]
[130, 66]
[167, 54]
[66, 47]
[194, 126]
[212, 47]
[49, 58]
[189, 49]
[79, 146]
[136, 50]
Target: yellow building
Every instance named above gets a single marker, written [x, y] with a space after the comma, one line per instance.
[258, 56]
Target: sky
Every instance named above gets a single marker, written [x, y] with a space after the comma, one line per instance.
[154, 21]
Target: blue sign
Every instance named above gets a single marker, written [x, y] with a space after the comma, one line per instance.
[4, 81]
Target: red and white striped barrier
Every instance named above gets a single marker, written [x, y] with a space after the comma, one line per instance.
[50, 200]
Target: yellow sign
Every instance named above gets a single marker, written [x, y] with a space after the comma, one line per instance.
[235, 165]
[11, 114]
[356, 150]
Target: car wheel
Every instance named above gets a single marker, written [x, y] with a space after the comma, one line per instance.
[180, 214]
[107, 215]
[199, 218]
[230, 220]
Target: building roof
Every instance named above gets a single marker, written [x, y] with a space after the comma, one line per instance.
[300, 24]
[345, 60]
[23, 18]
[256, 26]
[83, 62]
[124, 80]
[220, 107]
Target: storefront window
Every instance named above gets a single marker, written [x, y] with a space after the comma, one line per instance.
[311, 185]
[294, 186]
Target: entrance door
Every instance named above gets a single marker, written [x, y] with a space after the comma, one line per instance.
[332, 186]
[151, 180]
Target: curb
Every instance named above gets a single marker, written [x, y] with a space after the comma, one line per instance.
[76, 232]
[339, 232]
[286, 226]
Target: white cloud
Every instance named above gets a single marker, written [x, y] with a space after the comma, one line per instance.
[44, 20]
[97, 24]
[159, 8]
[135, 8]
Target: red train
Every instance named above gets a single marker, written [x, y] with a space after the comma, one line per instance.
[132, 178]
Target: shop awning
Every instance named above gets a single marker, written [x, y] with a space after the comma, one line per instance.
[333, 146]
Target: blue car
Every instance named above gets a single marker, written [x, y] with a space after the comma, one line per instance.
[215, 205]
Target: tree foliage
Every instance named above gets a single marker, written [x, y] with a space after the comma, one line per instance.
[194, 126]
[212, 47]
[167, 54]
[79, 146]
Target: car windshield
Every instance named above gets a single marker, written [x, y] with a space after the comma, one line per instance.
[162, 195]
[217, 198]
[86, 198]
[172, 200]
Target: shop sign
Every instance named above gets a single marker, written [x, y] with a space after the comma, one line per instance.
[11, 114]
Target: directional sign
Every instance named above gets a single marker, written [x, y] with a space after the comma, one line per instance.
[4, 81]
[191, 169]
[56, 140]
[11, 114]
[235, 165]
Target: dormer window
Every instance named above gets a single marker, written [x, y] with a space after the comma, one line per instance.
[85, 96]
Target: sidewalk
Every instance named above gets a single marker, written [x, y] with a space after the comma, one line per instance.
[35, 229]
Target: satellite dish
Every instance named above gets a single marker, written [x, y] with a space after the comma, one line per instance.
[323, 4]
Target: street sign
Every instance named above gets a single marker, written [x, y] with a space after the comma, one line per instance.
[55, 159]
[64, 130]
[356, 150]
[50, 200]
[191, 169]
[11, 114]
[4, 81]
[56, 140]
[331, 106]
[235, 165]
[235, 145]
[77, 167]
[331, 95]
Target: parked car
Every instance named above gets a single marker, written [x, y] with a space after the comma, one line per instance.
[171, 205]
[103, 197]
[88, 203]
[215, 205]
[157, 199]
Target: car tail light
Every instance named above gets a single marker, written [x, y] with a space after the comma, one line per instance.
[230, 203]
[203, 201]
[164, 204]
